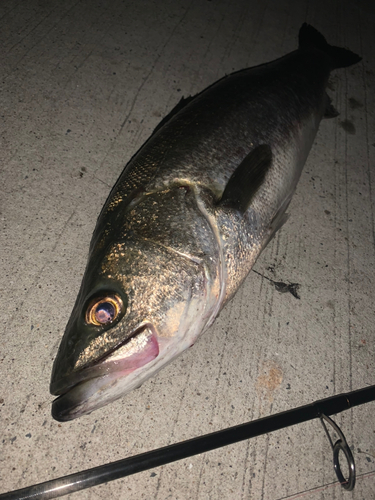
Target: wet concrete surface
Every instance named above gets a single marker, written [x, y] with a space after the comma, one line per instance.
[83, 85]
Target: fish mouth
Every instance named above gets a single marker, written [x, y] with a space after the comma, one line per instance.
[97, 385]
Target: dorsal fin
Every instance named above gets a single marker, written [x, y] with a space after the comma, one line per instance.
[180, 105]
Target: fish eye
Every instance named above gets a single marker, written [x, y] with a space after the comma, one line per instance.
[104, 310]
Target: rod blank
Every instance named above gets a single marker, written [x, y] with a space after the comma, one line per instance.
[161, 456]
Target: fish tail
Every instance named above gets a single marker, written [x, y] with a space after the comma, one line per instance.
[309, 37]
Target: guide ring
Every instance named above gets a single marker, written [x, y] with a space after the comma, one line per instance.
[340, 445]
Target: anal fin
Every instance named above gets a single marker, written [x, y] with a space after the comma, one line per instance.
[330, 111]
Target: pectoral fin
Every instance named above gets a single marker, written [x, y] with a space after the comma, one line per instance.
[247, 179]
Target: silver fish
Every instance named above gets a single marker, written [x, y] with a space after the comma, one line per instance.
[187, 219]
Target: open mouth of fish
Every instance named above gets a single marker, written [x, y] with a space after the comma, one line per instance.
[94, 386]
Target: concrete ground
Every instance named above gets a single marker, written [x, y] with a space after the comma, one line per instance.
[83, 84]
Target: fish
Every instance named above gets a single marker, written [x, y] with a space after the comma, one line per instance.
[187, 219]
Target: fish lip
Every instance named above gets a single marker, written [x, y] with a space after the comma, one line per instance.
[62, 386]
[86, 394]
[59, 410]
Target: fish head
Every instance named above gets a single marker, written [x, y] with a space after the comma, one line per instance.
[139, 306]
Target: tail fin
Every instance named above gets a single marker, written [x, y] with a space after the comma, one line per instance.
[340, 58]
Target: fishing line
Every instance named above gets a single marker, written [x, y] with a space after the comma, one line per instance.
[329, 486]
[321, 409]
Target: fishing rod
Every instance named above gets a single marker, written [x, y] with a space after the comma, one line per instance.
[321, 409]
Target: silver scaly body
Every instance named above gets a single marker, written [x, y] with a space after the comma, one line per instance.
[188, 218]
